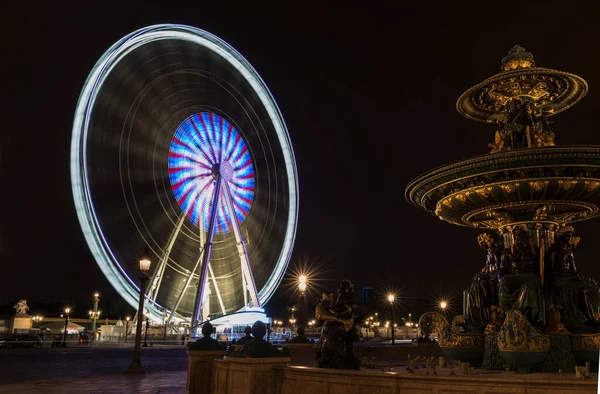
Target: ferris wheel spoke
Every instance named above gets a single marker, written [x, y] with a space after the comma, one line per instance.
[206, 132]
[183, 147]
[198, 142]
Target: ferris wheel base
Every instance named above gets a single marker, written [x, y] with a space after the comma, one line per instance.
[239, 320]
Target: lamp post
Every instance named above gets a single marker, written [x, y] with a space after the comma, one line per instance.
[64, 341]
[126, 328]
[391, 299]
[136, 365]
[146, 330]
[302, 305]
[95, 314]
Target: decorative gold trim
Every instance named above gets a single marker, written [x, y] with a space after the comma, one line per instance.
[587, 210]
[587, 342]
[518, 335]
[448, 335]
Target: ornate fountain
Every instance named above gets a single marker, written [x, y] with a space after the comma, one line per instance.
[529, 306]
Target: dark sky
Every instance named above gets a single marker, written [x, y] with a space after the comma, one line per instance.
[368, 95]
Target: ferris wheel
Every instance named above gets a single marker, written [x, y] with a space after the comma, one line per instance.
[179, 148]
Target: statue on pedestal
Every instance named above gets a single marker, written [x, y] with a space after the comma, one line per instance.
[481, 295]
[520, 285]
[21, 308]
[578, 295]
[335, 348]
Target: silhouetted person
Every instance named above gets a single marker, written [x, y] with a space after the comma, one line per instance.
[206, 342]
[245, 339]
[300, 338]
[183, 339]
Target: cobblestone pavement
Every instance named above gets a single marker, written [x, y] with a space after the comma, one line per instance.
[157, 382]
[30, 365]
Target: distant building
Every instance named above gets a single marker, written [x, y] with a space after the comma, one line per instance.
[367, 294]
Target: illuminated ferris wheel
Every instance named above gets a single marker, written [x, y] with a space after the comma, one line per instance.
[179, 147]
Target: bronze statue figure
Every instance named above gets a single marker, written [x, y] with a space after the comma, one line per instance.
[481, 295]
[335, 347]
[578, 296]
[521, 287]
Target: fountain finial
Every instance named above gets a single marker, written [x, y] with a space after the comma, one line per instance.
[517, 58]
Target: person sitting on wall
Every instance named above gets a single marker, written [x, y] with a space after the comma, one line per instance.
[245, 339]
[300, 338]
[206, 342]
[259, 347]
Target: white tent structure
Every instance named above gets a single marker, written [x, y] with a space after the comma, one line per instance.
[59, 328]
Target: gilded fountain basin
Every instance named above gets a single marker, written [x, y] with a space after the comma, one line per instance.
[482, 191]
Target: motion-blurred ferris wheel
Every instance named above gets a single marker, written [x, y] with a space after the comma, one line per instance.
[179, 147]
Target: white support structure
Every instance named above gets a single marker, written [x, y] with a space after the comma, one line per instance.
[203, 278]
[216, 286]
[221, 173]
[249, 284]
[189, 280]
[159, 273]
[185, 286]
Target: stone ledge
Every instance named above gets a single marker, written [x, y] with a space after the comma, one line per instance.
[297, 380]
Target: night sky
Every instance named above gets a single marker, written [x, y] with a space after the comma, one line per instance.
[368, 95]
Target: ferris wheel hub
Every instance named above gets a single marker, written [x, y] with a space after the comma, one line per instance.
[222, 170]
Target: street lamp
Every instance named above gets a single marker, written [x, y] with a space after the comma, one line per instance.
[136, 365]
[64, 341]
[126, 329]
[94, 315]
[302, 279]
[391, 298]
[443, 306]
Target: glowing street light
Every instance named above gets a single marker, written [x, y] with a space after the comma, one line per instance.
[136, 365]
[64, 342]
[443, 305]
[302, 284]
[391, 298]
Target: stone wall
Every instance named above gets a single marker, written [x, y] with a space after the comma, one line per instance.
[235, 375]
[304, 380]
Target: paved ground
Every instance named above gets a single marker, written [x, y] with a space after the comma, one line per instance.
[91, 362]
[153, 382]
